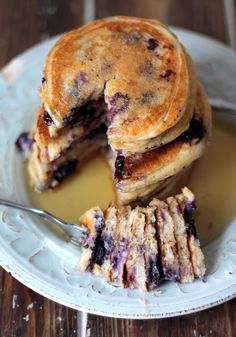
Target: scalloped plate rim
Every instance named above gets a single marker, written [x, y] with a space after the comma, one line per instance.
[11, 266]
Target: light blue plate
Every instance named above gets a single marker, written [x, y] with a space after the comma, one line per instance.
[44, 262]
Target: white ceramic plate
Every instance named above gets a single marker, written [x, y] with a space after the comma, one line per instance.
[47, 264]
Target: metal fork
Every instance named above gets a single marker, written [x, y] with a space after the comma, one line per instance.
[75, 232]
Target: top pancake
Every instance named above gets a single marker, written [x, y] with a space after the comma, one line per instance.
[137, 64]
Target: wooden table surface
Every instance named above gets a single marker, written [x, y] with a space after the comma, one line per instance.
[24, 23]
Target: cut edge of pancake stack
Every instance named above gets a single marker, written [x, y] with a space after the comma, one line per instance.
[129, 82]
[139, 247]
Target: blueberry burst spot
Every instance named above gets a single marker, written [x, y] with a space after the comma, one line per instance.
[196, 130]
[119, 166]
[24, 142]
[147, 69]
[146, 98]
[65, 169]
[141, 248]
[131, 277]
[85, 114]
[166, 75]
[47, 118]
[100, 248]
[171, 273]
[71, 116]
[103, 247]
[43, 80]
[130, 37]
[99, 224]
[117, 104]
[119, 257]
[102, 129]
[99, 252]
[152, 44]
[153, 274]
[81, 78]
[188, 218]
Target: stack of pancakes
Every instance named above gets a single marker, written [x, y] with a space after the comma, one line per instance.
[127, 86]
[139, 247]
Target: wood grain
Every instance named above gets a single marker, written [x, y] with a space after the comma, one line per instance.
[58, 16]
[17, 34]
[200, 15]
[217, 322]
[23, 313]
[213, 322]
[32, 21]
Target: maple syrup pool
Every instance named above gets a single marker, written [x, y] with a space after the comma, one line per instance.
[213, 181]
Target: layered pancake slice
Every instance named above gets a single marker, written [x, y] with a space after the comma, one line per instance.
[138, 65]
[93, 219]
[122, 241]
[162, 189]
[134, 77]
[48, 174]
[186, 273]
[152, 255]
[55, 154]
[187, 204]
[166, 240]
[135, 263]
[52, 141]
[143, 175]
[140, 247]
[109, 237]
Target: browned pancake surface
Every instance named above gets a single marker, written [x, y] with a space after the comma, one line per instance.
[137, 63]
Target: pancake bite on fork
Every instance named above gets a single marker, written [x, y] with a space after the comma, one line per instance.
[142, 246]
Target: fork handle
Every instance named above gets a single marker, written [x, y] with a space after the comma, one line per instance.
[69, 228]
[13, 204]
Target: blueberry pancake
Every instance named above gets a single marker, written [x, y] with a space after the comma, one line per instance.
[142, 246]
[142, 174]
[162, 188]
[137, 65]
[126, 85]
[151, 253]
[56, 153]
[135, 263]
[167, 241]
[186, 273]
[45, 174]
[104, 269]
[187, 205]
[121, 244]
[94, 221]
